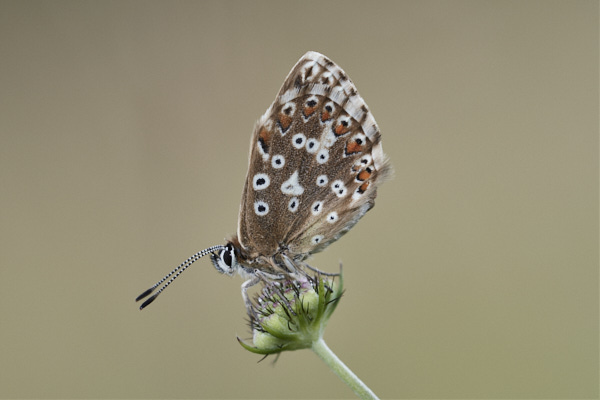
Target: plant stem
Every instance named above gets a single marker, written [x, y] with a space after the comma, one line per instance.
[341, 370]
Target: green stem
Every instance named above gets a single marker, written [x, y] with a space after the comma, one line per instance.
[341, 370]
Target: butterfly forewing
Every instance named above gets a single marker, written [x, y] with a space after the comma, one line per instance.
[315, 163]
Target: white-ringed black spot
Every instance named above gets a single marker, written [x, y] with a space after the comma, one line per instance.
[322, 156]
[332, 217]
[260, 181]
[316, 207]
[298, 140]
[312, 145]
[261, 208]
[339, 188]
[278, 161]
[293, 204]
[316, 239]
[322, 180]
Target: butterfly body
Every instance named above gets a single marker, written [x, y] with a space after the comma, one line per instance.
[315, 163]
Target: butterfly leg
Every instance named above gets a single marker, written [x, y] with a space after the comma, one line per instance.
[248, 284]
[290, 265]
[294, 268]
[258, 276]
[318, 271]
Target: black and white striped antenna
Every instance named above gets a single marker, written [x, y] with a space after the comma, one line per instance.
[174, 274]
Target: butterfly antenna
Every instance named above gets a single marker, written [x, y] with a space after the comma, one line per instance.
[174, 274]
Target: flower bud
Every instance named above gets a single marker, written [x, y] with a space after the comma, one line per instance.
[291, 314]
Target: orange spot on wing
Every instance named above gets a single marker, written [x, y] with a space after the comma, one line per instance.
[264, 139]
[341, 129]
[353, 147]
[284, 121]
[325, 116]
[363, 175]
[362, 188]
[309, 111]
[265, 136]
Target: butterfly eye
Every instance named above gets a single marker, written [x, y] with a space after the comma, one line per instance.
[225, 261]
[226, 256]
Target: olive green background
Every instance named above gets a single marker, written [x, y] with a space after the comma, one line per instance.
[124, 133]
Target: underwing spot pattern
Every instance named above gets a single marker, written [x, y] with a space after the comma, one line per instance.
[261, 181]
[285, 117]
[261, 208]
[278, 161]
[332, 217]
[327, 113]
[292, 186]
[316, 207]
[323, 156]
[342, 126]
[339, 188]
[315, 146]
[322, 180]
[312, 145]
[310, 106]
[293, 204]
[298, 140]
[315, 240]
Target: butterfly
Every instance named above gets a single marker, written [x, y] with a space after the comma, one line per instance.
[316, 161]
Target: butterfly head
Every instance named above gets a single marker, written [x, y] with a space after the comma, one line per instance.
[225, 260]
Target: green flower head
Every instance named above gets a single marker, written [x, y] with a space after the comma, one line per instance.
[292, 314]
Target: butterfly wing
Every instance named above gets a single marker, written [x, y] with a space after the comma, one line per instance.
[315, 163]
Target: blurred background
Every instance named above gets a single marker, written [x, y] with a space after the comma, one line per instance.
[124, 133]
